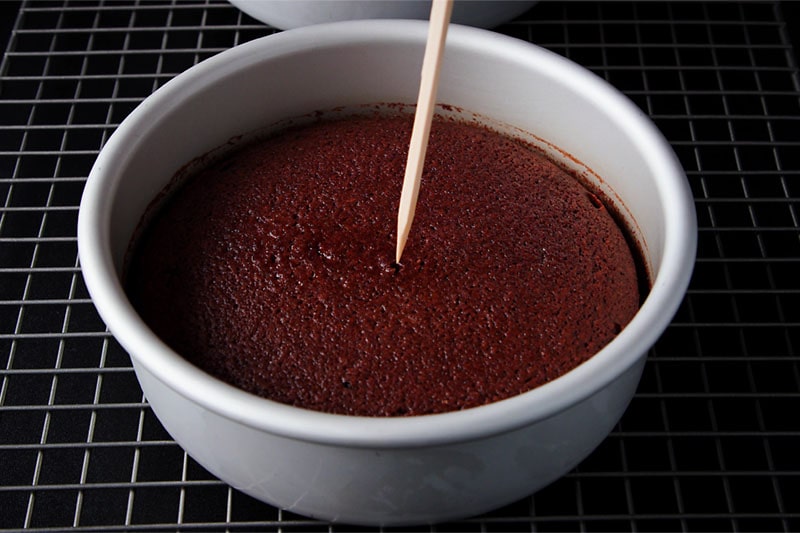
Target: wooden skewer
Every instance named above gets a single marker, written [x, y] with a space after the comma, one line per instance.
[429, 81]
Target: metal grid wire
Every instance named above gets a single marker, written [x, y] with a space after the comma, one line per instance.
[710, 441]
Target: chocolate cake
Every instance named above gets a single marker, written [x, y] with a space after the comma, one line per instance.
[273, 270]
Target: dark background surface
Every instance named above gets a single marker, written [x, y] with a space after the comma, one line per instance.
[791, 10]
[8, 15]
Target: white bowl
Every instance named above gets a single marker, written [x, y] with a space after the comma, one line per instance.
[403, 470]
[287, 14]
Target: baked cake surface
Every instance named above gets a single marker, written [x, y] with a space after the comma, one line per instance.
[273, 270]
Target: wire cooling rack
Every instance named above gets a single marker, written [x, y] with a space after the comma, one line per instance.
[710, 442]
